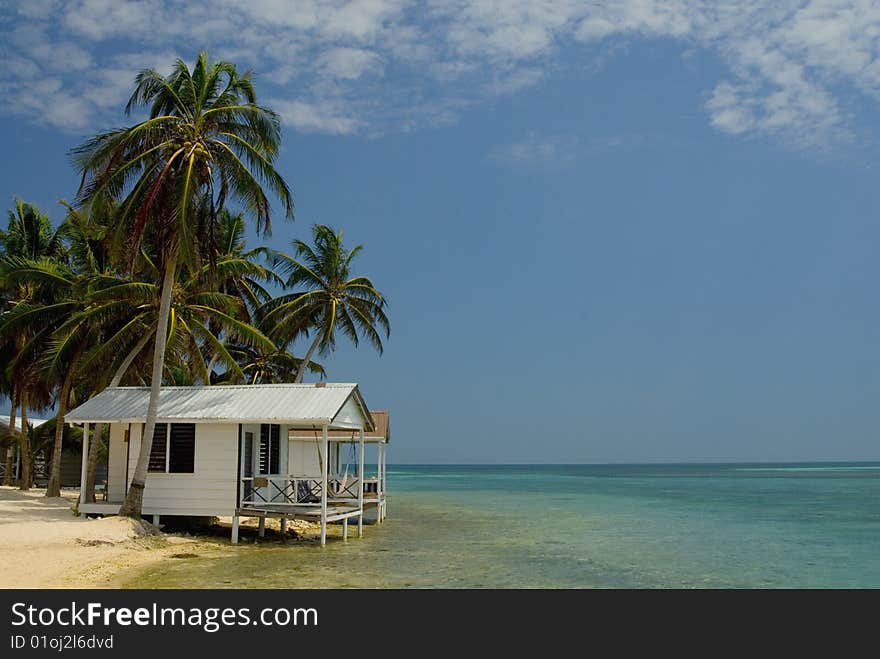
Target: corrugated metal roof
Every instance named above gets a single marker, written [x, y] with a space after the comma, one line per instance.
[299, 404]
[380, 422]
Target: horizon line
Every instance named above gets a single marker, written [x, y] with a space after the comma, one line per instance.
[628, 464]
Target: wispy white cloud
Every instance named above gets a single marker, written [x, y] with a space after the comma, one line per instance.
[794, 67]
[536, 151]
[322, 117]
[348, 63]
[552, 152]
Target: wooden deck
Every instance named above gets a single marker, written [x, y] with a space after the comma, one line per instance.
[292, 511]
[100, 508]
[284, 512]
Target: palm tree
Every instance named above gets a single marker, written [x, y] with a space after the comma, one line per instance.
[194, 308]
[29, 235]
[8, 437]
[56, 321]
[88, 231]
[205, 139]
[60, 293]
[269, 366]
[332, 299]
[238, 271]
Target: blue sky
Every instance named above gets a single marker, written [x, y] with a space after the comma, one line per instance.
[633, 231]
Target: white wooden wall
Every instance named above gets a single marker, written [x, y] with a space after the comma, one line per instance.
[304, 458]
[117, 451]
[210, 490]
[350, 416]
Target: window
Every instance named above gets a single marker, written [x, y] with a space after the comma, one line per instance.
[157, 453]
[248, 455]
[269, 448]
[182, 448]
[174, 449]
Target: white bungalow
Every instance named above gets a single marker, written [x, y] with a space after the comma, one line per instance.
[282, 450]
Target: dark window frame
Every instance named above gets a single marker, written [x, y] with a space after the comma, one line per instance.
[174, 459]
[248, 453]
[269, 455]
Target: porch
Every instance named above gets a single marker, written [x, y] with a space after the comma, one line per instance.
[335, 493]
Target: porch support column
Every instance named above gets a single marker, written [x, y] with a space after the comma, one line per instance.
[326, 462]
[261, 529]
[235, 528]
[380, 467]
[84, 470]
[383, 449]
[361, 483]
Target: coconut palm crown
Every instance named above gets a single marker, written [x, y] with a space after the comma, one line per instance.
[332, 298]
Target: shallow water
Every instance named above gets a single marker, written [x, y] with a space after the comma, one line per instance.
[585, 526]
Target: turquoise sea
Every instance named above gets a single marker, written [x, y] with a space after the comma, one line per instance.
[614, 526]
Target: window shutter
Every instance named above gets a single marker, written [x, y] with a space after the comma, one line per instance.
[264, 449]
[269, 448]
[183, 448]
[276, 446]
[157, 452]
[248, 454]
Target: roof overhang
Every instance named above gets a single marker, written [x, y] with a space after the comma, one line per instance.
[340, 406]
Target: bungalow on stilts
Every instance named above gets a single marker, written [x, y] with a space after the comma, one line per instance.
[285, 451]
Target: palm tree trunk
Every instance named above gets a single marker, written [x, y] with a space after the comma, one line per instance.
[10, 447]
[24, 478]
[53, 488]
[214, 359]
[97, 438]
[308, 358]
[94, 448]
[134, 500]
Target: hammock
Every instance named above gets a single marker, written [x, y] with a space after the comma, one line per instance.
[341, 485]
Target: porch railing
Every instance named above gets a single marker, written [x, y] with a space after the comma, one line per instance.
[295, 490]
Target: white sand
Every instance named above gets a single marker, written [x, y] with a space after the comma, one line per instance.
[43, 545]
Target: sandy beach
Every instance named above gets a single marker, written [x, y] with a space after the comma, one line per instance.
[44, 545]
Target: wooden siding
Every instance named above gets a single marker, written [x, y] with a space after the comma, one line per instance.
[304, 458]
[210, 491]
[117, 453]
[350, 415]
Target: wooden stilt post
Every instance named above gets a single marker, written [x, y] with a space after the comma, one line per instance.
[345, 529]
[361, 484]
[283, 523]
[324, 448]
[83, 475]
[155, 520]
[382, 454]
[235, 529]
[262, 528]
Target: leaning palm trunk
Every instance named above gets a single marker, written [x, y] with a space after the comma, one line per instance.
[53, 488]
[24, 478]
[308, 358]
[134, 500]
[10, 446]
[97, 440]
[94, 448]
